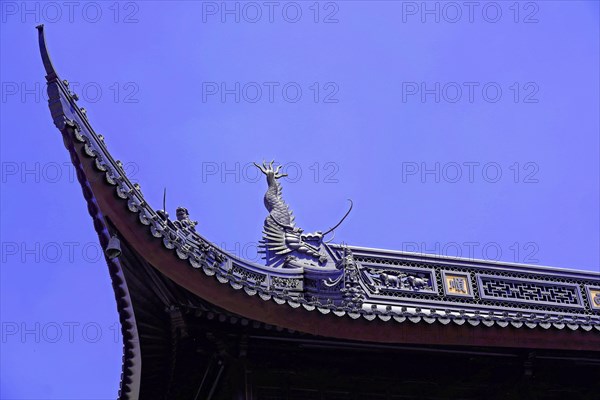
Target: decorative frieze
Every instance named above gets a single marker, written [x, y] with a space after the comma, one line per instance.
[380, 277]
[286, 283]
[247, 274]
[529, 291]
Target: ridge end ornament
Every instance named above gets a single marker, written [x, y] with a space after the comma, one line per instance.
[283, 243]
[353, 294]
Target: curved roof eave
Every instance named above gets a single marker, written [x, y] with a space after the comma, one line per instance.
[260, 293]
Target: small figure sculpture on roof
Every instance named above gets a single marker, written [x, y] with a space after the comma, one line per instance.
[183, 220]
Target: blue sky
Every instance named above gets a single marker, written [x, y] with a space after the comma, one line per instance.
[455, 131]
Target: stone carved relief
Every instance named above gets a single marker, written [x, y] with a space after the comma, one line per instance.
[380, 278]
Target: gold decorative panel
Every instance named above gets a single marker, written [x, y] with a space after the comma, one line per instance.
[594, 298]
[457, 284]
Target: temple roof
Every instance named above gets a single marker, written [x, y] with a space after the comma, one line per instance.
[338, 291]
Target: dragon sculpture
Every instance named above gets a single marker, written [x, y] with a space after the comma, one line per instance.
[284, 244]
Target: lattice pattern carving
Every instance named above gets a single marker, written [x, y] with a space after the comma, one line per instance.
[286, 283]
[530, 291]
[250, 275]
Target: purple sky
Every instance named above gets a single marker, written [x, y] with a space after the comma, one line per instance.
[455, 131]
